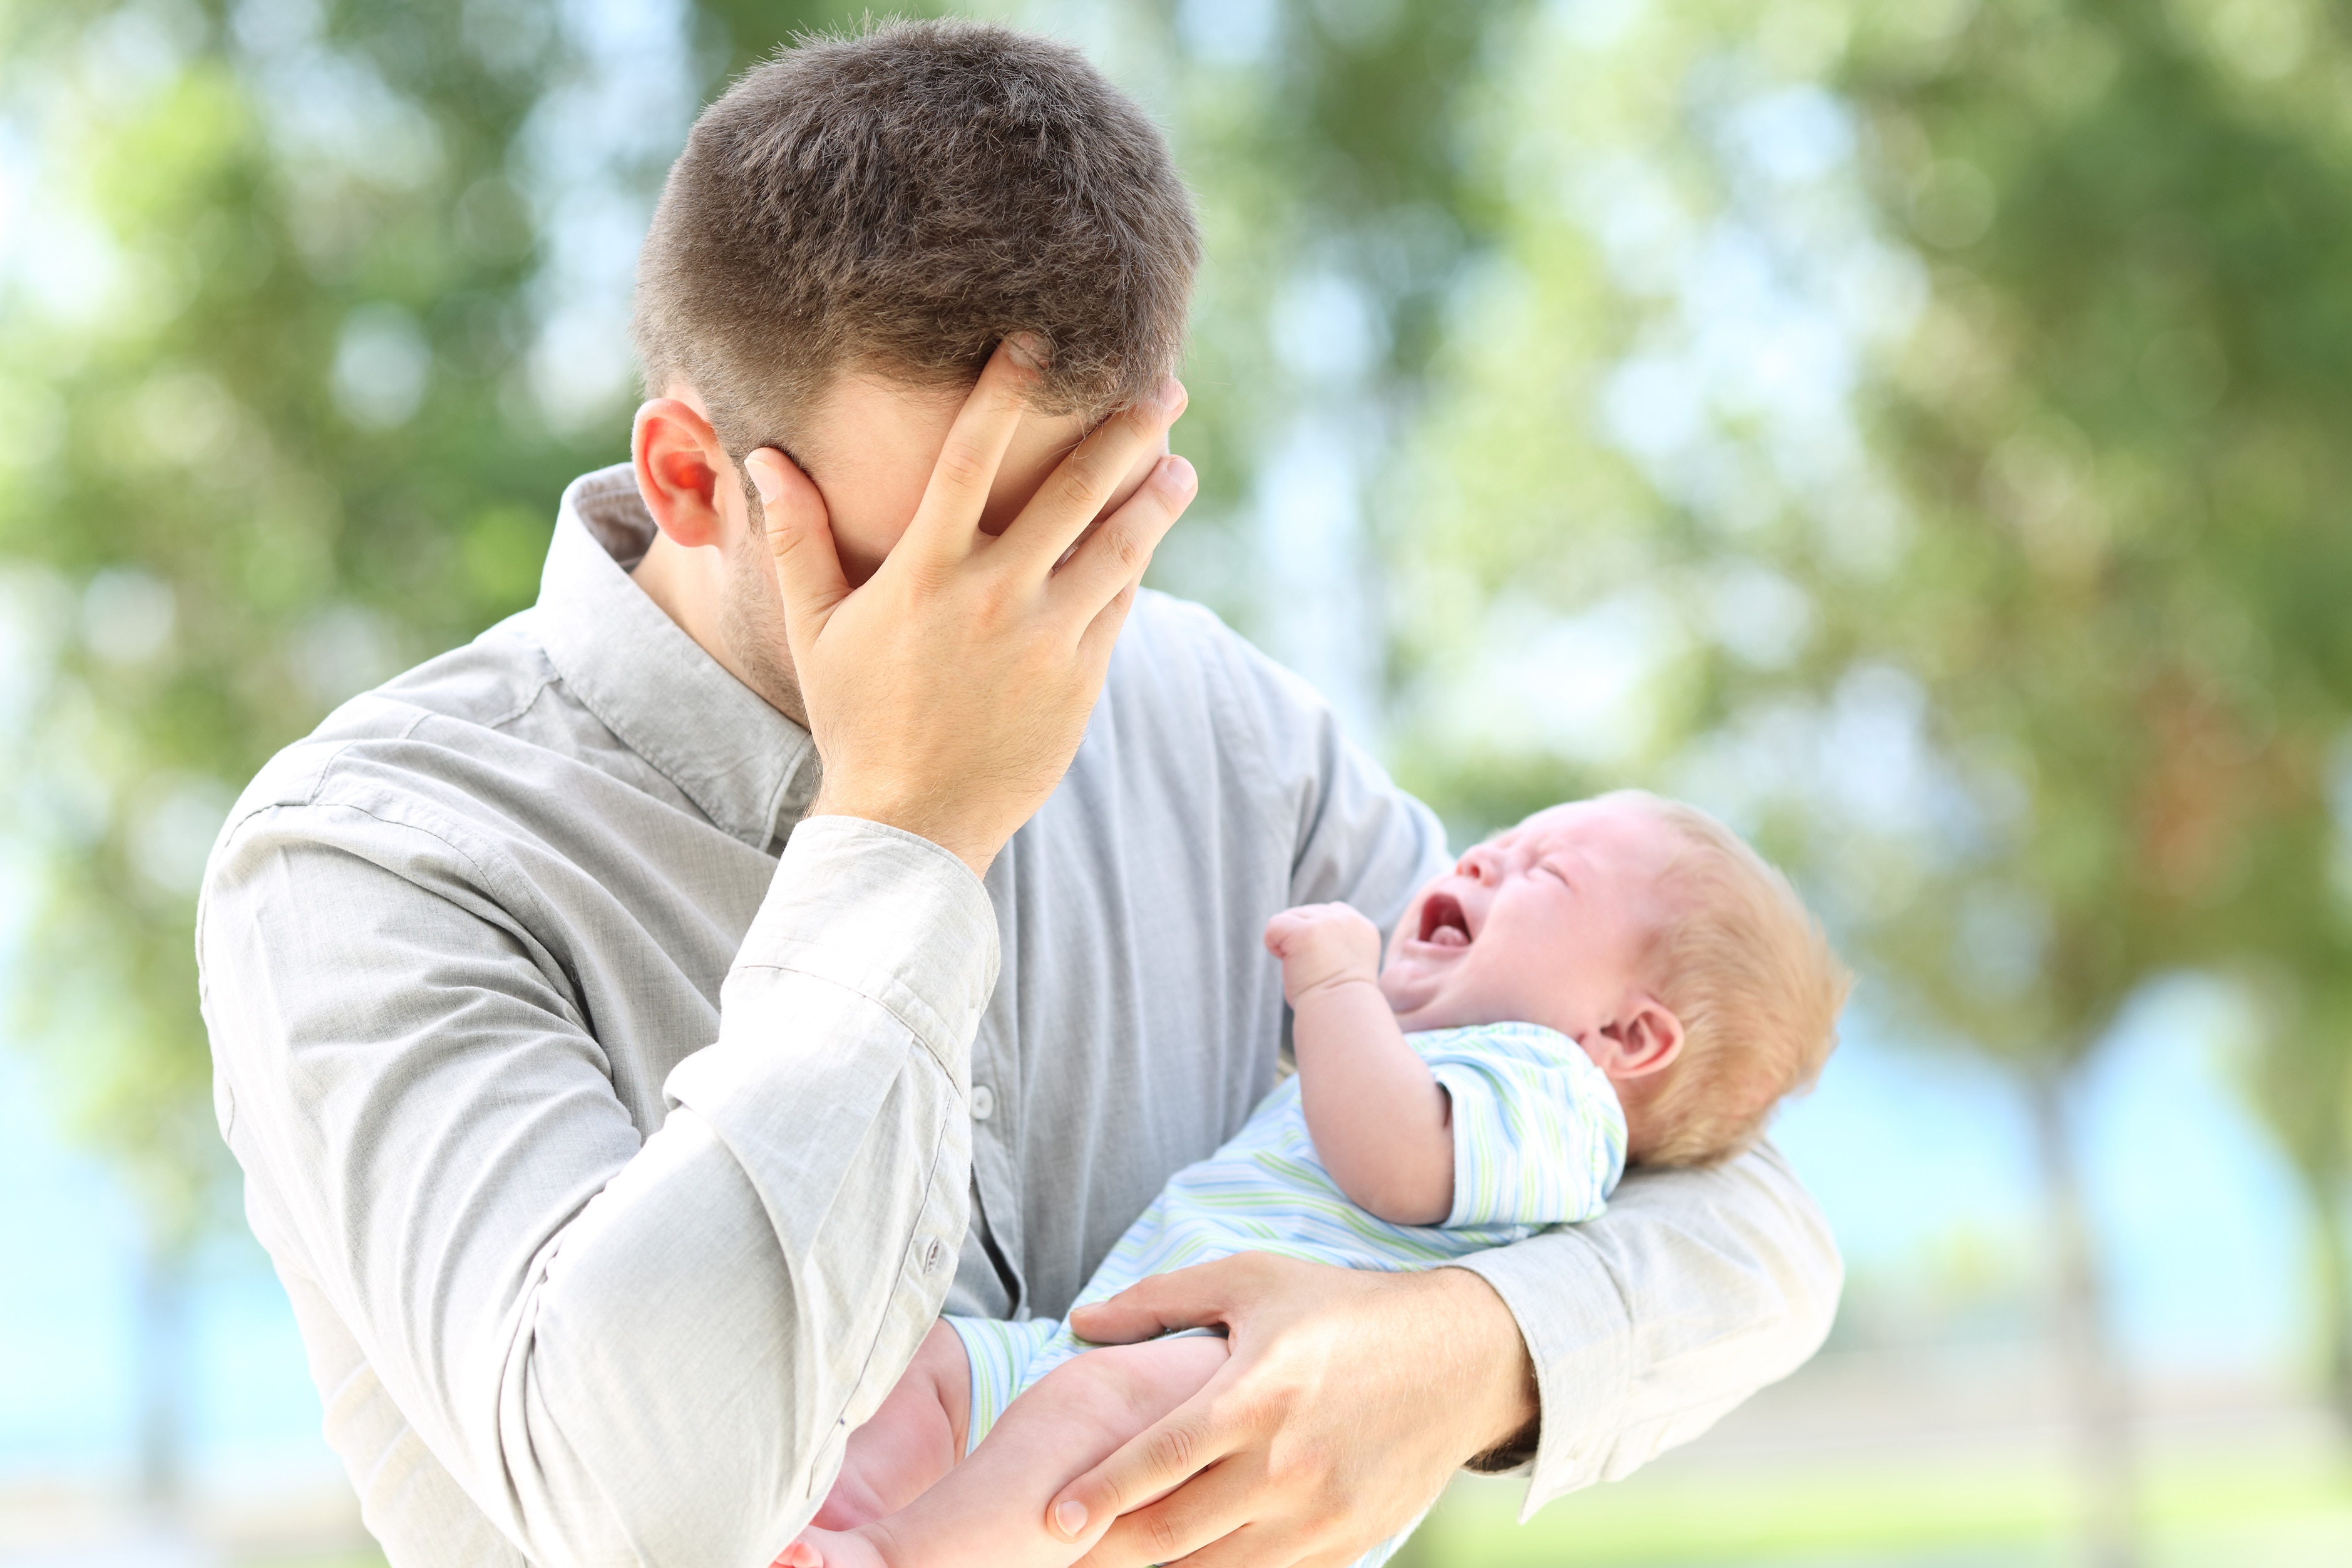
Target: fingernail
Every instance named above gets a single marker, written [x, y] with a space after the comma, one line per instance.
[1181, 477]
[1070, 1517]
[1028, 351]
[1170, 396]
[764, 477]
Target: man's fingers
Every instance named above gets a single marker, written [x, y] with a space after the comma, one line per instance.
[1095, 643]
[1210, 1516]
[1190, 1297]
[1074, 494]
[800, 537]
[948, 519]
[1148, 1466]
[1113, 556]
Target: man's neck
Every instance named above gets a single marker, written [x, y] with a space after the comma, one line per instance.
[691, 586]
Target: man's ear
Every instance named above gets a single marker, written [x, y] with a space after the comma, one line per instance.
[680, 466]
[1645, 1039]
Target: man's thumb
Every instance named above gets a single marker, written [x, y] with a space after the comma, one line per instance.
[800, 537]
[1152, 1306]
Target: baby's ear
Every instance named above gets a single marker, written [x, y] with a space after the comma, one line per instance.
[1646, 1040]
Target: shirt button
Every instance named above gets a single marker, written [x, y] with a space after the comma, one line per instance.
[934, 1255]
[984, 1101]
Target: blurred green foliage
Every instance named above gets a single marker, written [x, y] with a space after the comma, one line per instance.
[261, 346]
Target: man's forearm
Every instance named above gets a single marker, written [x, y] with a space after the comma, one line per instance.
[1500, 1375]
[619, 1351]
[1646, 1325]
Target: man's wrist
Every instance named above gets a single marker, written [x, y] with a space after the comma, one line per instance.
[909, 816]
[1511, 1413]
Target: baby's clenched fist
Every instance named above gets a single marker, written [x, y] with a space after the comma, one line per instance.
[1323, 944]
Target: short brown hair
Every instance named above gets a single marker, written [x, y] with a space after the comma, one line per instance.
[1752, 976]
[899, 200]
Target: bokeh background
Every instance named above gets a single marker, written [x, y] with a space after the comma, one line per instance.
[1914, 430]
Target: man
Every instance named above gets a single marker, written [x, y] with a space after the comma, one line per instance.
[622, 1093]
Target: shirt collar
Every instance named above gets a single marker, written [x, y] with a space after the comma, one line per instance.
[752, 770]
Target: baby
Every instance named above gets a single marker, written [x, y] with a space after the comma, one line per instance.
[1612, 980]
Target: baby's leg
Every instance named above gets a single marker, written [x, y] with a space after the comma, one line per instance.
[990, 1510]
[912, 1440]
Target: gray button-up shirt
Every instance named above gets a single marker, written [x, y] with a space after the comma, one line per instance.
[617, 1132]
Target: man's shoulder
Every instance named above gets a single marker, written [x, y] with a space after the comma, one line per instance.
[388, 742]
[1173, 650]
[1161, 623]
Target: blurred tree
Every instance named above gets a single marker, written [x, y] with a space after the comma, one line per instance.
[269, 433]
[2034, 668]
[2116, 426]
[2302, 1082]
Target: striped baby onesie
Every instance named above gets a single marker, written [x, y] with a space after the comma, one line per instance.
[1539, 1140]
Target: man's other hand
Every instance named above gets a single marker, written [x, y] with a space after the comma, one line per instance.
[948, 691]
[1348, 1401]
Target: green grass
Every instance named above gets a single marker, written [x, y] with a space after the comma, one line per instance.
[2276, 1516]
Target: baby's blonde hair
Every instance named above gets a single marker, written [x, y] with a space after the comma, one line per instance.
[1750, 974]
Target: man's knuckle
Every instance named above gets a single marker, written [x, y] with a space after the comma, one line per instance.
[1300, 1465]
[1173, 1447]
[962, 467]
[1159, 1528]
[996, 602]
[1249, 1406]
[1081, 478]
[1125, 553]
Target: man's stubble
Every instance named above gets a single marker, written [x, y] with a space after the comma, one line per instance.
[752, 623]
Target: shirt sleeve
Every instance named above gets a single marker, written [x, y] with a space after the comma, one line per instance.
[624, 1351]
[1645, 1326]
[1538, 1134]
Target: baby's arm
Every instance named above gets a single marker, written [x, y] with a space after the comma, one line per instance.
[1382, 1125]
[989, 1512]
[913, 1439]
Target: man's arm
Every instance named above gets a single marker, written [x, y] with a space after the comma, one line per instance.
[622, 1353]
[1645, 1326]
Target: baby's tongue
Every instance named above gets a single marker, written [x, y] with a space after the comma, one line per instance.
[1448, 936]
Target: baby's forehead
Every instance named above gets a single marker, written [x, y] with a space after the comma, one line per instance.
[1603, 831]
[1578, 821]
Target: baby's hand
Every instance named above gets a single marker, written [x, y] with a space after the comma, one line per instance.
[1323, 944]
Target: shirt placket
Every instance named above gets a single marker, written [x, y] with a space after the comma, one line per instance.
[995, 1117]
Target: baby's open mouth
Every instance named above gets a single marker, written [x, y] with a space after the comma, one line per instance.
[1442, 922]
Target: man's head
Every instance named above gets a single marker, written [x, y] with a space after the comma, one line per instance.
[892, 205]
[851, 230]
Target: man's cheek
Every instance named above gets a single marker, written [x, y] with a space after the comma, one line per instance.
[862, 550]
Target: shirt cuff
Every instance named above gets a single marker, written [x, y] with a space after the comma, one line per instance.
[885, 913]
[1578, 1337]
